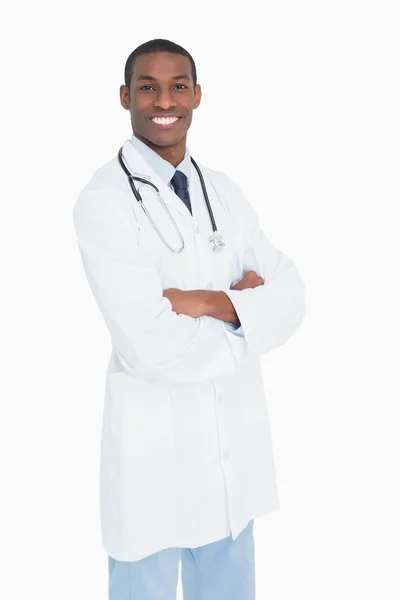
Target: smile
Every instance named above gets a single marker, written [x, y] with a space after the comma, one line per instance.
[163, 121]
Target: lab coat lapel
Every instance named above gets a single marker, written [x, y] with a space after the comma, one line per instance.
[140, 168]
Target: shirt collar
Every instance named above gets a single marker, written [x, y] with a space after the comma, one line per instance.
[160, 166]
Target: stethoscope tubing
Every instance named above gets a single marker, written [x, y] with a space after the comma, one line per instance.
[145, 181]
[141, 203]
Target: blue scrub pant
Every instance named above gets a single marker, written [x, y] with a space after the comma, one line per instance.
[223, 570]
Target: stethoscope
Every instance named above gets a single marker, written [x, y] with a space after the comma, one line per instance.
[215, 240]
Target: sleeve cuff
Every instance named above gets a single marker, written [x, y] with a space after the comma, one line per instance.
[236, 329]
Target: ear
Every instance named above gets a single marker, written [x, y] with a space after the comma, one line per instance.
[197, 95]
[124, 96]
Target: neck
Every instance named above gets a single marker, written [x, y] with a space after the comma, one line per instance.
[172, 154]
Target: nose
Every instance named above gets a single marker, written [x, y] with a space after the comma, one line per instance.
[164, 99]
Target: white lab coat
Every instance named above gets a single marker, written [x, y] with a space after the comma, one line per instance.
[186, 454]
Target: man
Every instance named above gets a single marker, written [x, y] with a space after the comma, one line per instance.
[186, 457]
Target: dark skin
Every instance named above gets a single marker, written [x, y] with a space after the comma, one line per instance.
[162, 86]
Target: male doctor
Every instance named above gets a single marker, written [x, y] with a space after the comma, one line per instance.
[186, 454]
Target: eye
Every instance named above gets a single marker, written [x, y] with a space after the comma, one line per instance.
[146, 86]
[181, 85]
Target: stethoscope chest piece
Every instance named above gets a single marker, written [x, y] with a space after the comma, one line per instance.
[216, 242]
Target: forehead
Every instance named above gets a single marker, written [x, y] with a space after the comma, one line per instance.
[161, 65]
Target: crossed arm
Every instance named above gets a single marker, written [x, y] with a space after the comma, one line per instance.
[203, 303]
[200, 303]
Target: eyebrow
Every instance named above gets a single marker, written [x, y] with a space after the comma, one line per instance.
[150, 78]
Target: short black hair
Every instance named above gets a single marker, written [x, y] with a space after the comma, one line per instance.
[158, 45]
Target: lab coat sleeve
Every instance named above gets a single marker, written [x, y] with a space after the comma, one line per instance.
[269, 314]
[151, 340]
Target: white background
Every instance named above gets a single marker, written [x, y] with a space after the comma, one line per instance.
[306, 92]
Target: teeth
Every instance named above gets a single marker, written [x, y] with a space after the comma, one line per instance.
[164, 120]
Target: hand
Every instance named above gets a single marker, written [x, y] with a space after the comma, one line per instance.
[250, 280]
[187, 302]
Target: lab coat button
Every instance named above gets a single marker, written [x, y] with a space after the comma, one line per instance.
[197, 229]
[226, 455]
[219, 399]
[210, 286]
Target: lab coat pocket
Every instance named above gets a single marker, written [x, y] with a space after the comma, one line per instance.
[141, 416]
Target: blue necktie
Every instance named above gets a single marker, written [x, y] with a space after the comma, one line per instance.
[180, 183]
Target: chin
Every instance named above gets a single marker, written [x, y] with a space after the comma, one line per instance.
[165, 140]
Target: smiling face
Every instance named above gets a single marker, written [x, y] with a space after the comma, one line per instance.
[161, 100]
